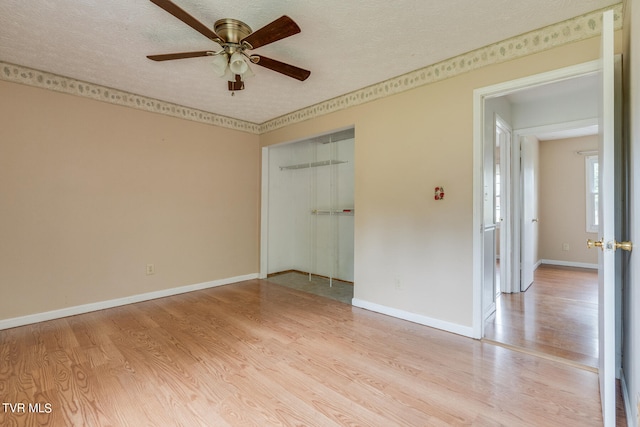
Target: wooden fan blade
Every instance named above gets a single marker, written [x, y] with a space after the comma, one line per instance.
[281, 67]
[187, 19]
[182, 55]
[274, 31]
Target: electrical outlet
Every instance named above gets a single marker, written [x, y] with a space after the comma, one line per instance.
[565, 246]
[397, 284]
[150, 269]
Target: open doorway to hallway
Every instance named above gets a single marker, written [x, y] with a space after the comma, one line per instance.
[612, 181]
[547, 301]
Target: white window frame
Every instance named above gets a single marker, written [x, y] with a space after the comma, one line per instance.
[591, 193]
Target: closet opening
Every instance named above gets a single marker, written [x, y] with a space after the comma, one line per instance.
[308, 214]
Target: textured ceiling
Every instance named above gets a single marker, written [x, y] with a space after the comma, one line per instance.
[347, 45]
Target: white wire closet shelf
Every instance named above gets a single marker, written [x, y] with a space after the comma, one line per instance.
[312, 164]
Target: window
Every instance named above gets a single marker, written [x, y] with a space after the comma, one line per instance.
[591, 166]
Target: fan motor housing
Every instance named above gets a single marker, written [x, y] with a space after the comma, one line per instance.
[231, 30]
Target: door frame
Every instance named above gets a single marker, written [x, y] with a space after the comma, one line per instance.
[479, 96]
[518, 192]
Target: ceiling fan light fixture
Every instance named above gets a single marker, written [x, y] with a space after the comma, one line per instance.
[228, 75]
[247, 74]
[237, 64]
[235, 37]
[220, 63]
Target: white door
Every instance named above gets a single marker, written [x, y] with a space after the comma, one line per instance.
[489, 229]
[606, 257]
[529, 155]
[502, 204]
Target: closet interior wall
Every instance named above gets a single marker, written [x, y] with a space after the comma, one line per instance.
[311, 206]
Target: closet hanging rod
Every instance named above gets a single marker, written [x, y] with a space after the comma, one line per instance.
[333, 211]
[313, 164]
[587, 152]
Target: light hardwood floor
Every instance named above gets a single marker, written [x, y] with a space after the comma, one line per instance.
[556, 316]
[257, 354]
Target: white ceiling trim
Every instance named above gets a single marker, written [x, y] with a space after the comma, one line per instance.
[575, 29]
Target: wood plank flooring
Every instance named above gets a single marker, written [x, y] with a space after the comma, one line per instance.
[257, 354]
[556, 316]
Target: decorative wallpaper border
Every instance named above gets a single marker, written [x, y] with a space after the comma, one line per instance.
[41, 79]
[572, 30]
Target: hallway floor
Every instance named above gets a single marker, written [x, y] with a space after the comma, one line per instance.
[557, 316]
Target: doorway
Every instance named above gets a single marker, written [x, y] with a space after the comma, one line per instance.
[526, 108]
[498, 101]
[308, 211]
[609, 287]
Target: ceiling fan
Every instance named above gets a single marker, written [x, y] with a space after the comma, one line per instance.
[236, 38]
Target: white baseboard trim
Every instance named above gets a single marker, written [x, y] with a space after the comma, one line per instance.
[466, 331]
[86, 308]
[569, 263]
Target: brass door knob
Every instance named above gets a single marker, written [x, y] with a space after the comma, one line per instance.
[594, 244]
[625, 246]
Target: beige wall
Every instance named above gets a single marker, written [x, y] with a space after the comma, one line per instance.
[411, 252]
[92, 192]
[563, 200]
